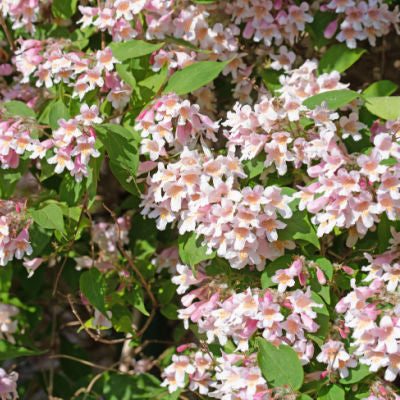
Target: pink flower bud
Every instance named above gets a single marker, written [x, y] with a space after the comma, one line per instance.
[342, 333]
[6, 69]
[92, 132]
[120, 287]
[287, 304]
[348, 270]
[17, 208]
[278, 4]
[324, 8]
[324, 374]
[84, 301]
[302, 279]
[321, 277]
[183, 347]
[331, 29]
[382, 390]
[376, 284]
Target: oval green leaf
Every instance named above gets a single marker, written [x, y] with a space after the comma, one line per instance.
[384, 107]
[279, 365]
[92, 286]
[334, 99]
[194, 76]
[133, 49]
[338, 58]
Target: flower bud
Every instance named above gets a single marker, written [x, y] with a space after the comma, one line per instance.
[331, 29]
[321, 277]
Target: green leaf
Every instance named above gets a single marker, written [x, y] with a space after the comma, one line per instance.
[10, 177]
[384, 107]
[194, 76]
[191, 251]
[71, 191]
[122, 319]
[18, 108]
[92, 286]
[333, 392]
[8, 351]
[130, 387]
[299, 227]
[279, 365]
[322, 290]
[325, 266]
[166, 292]
[6, 274]
[380, 88]
[254, 167]
[170, 311]
[49, 217]
[125, 74]
[270, 78]
[185, 43]
[121, 145]
[58, 111]
[124, 177]
[133, 49]
[338, 58]
[147, 89]
[322, 320]
[135, 297]
[317, 28]
[64, 9]
[356, 374]
[384, 233]
[334, 99]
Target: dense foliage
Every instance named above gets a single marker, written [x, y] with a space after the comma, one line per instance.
[199, 199]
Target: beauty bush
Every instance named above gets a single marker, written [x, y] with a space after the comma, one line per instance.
[199, 199]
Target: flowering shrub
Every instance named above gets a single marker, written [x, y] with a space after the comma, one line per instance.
[199, 199]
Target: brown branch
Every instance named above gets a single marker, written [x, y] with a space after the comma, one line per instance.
[95, 337]
[7, 32]
[88, 363]
[85, 200]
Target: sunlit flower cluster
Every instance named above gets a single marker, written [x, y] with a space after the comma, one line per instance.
[360, 20]
[72, 144]
[14, 235]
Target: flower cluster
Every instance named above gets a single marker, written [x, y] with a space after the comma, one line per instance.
[173, 124]
[73, 138]
[352, 191]
[372, 312]
[22, 13]
[273, 126]
[270, 22]
[238, 376]
[360, 20]
[223, 314]
[14, 235]
[203, 196]
[50, 63]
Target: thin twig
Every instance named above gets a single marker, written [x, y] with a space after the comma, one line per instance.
[88, 363]
[96, 338]
[85, 200]
[7, 32]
